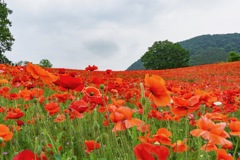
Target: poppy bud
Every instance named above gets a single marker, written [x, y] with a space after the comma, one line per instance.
[105, 137]
[102, 86]
[1, 140]
[96, 126]
[143, 101]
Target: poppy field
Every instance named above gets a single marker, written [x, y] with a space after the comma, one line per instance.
[67, 114]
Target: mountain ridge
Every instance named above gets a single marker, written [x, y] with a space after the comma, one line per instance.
[205, 49]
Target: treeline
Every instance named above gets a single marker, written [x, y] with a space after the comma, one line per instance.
[205, 49]
[208, 49]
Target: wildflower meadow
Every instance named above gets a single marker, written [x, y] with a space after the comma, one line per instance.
[189, 113]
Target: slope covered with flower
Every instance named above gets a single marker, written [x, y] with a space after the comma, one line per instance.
[61, 113]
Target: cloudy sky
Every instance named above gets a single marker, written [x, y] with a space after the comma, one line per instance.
[111, 34]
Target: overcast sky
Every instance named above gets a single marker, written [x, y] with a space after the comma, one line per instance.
[111, 34]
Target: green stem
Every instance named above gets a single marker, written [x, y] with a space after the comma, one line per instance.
[187, 131]
[53, 144]
[1, 152]
[236, 147]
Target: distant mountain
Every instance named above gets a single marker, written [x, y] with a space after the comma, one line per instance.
[205, 49]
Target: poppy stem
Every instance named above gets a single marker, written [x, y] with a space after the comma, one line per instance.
[236, 147]
[53, 144]
[144, 103]
[1, 152]
[187, 130]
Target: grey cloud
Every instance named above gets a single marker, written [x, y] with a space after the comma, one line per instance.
[110, 33]
[102, 48]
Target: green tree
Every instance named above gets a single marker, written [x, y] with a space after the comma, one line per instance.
[6, 38]
[45, 63]
[233, 56]
[21, 63]
[165, 54]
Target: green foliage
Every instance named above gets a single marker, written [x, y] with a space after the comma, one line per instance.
[21, 63]
[165, 54]
[45, 63]
[208, 56]
[205, 49]
[4, 59]
[6, 38]
[233, 56]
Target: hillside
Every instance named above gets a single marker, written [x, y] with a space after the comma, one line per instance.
[205, 49]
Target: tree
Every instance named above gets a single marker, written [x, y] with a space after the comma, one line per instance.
[45, 63]
[21, 63]
[4, 59]
[233, 56]
[165, 54]
[6, 38]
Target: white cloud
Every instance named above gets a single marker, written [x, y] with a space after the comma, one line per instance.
[110, 33]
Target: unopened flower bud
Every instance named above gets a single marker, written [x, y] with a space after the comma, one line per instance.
[143, 101]
[105, 137]
[96, 126]
[1, 140]
[102, 86]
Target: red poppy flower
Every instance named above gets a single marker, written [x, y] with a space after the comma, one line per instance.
[75, 114]
[37, 92]
[80, 106]
[147, 151]
[52, 108]
[19, 122]
[212, 132]
[91, 68]
[25, 94]
[2, 109]
[13, 96]
[158, 91]
[26, 155]
[162, 136]
[235, 128]
[181, 107]
[216, 116]
[122, 117]
[93, 96]
[69, 82]
[5, 133]
[146, 138]
[43, 156]
[60, 118]
[91, 145]
[223, 155]
[97, 81]
[91, 92]
[180, 146]
[14, 113]
[207, 97]
[209, 147]
[109, 71]
[37, 72]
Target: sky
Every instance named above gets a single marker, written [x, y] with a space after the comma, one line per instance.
[111, 34]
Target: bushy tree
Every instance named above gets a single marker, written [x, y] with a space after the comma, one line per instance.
[165, 54]
[21, 63]
[6, 38]
[45, 63]
[233, 56]
[4, 59]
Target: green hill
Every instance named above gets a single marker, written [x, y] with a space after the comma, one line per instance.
[205, 49]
